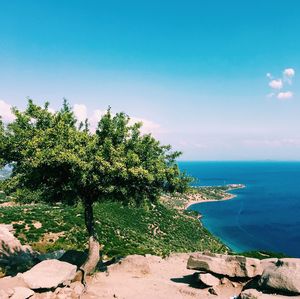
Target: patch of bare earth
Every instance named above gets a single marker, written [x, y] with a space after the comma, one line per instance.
[151, 277]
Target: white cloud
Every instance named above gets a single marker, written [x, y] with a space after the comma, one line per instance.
[51, 110]
[285, 95]
[289, 72]
[288, 75]
[276, 84]
[5, 112]
[148, 125]
[94, 119]
[80, 111]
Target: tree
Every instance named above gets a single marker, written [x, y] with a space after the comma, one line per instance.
[57, 160]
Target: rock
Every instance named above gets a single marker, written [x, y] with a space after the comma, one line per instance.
[265, 263]
[45, 295]
[213, 291]
[9, 243]
[8, 283]
[228, 265]
[208, 279]
[254, 294]
[250, 294]
[77, 288]
[227, 282]
[14, 257]
[49, 274]
[5, 294]
[284, 276]
[22, 293]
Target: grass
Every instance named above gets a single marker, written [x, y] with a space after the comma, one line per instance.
[122, 230]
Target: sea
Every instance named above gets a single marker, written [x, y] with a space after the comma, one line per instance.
[263, 216]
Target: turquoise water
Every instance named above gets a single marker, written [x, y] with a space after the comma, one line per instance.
[264, 216]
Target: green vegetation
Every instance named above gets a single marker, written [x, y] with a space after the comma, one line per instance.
[2, 197]
[121, 229]
[196, 194]
[56, 160]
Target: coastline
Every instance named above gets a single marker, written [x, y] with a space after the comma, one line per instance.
[227, 196]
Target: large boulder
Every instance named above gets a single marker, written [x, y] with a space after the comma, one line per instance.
[49, 274]
[283, 276]
[9, 244]
[227, 265]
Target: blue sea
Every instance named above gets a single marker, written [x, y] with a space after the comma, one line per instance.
[264, 216]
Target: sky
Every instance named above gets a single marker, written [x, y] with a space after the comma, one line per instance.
[216, 79]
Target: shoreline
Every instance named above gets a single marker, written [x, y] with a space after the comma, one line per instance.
[227, 196]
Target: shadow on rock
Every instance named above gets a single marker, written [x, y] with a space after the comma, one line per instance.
[13, 261]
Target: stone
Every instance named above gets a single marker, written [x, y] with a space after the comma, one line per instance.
[254, 294]
[283, 276]
[22, 293]
[77, 287]
[8, 283]
[208, 279]
[213, 291]
[49, 274]
[265, 263]
[9, 243]
[5, 294]
[226, 281]
[250, 294]
[227, 265]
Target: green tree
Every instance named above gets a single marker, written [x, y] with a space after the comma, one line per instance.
[56, 160]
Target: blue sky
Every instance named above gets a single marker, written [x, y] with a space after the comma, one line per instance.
[205, 76]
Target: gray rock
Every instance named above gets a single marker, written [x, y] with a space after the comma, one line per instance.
[49, 274]
[284, 276]
[228, 265]
[22, 293]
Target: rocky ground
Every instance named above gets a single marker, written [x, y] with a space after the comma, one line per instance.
[185, 275]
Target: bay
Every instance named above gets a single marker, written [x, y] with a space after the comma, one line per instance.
[264, 216]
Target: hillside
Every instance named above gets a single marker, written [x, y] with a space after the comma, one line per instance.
[122, 230]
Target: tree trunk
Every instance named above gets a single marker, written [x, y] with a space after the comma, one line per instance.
[94, 247]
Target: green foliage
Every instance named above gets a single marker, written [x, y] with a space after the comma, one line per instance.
[61, 162]
[121, 229]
